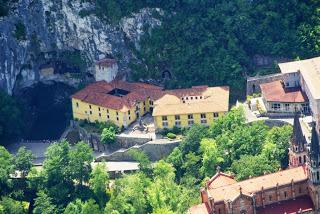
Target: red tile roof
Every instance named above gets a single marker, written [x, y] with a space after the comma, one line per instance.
[227, 189]
[97, 94]
[106, 62]
[199, 209]
[220, 179]
[289, 207]
[275, 92]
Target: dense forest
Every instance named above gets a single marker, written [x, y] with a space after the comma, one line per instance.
[67, 183]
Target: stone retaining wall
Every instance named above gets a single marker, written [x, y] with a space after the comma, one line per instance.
[76, 133]
[155, 150]
[253, 83]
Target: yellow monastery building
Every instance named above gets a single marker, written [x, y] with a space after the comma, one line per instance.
[185, 107]
[118, 101]
[123, 102]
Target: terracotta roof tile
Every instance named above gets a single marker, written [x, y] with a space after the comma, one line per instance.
[275, 92]
[231, 190]
[290, 207]
[199, 209]
[97, 94]
[199, 99]
[106, 62]
[221, 179]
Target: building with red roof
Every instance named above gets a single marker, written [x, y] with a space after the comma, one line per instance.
[279, 98]
[294, 190]
[118, 101]
[280, 192]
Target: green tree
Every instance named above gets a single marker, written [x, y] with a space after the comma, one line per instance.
[10, 206]
[65, 169]
[164, 193]
[142, 159]
[23, 161]
[128, 195]
[90, 207]
[79, 207]
[56, 172]
[43, 204]
[6, 168]
[280, 136]
[80, 159]
[191, 142]
[11, 124]
[108, 135]
[74, 207]
[211, 157]
[250, 166]
[231, 121]
[99, 180]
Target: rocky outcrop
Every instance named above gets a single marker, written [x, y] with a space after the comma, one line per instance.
[52, 27]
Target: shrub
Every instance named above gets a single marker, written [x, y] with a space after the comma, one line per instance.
[83, 13]
[171, 135]
[176, 130]
[20, 31]
[108, 124]
[164, 131]
[108, 135]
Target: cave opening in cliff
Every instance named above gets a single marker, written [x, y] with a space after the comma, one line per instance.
[46, 110]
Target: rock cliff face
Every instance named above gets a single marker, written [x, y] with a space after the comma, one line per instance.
[54, 26]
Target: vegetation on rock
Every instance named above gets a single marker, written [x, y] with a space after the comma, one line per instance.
[10, 117]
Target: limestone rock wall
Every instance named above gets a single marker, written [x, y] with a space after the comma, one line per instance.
[54, 26]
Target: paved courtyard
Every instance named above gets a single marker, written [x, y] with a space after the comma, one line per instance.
[148, 128]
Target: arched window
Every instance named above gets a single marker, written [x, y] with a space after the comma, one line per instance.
[300, 160]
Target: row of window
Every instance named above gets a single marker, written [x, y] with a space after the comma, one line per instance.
[178, 123]
[191, 98]
[277, 107]
[129, 112]
[190, 117]
[108, 116]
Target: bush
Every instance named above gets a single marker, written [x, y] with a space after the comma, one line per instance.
[171, 135]
[108, 135]
[20, 31]
[83, 13]
[164, 131]
[98, 127]
[108, 124]
[176, 130]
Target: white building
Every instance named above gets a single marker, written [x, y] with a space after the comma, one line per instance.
[305, 73]
[106, 69]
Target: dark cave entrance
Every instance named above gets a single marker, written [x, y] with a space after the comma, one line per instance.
[46, 110]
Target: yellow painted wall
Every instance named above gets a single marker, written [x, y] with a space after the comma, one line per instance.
[184, 120]
[82, 112]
